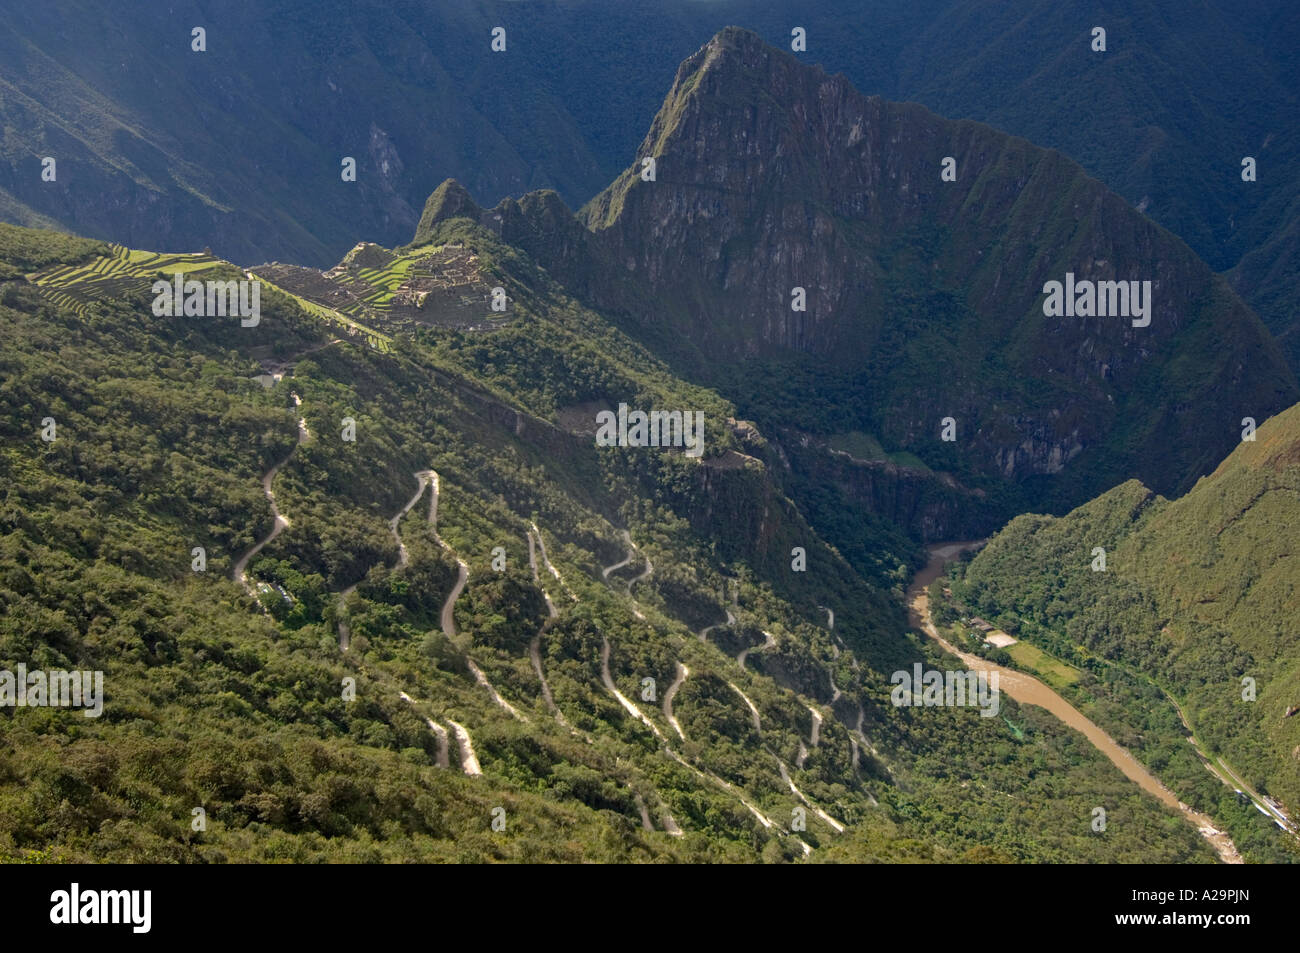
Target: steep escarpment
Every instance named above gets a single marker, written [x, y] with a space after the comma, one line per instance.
[790, 218]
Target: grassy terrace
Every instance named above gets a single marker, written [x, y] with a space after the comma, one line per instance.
[126, 271]
[123, 271]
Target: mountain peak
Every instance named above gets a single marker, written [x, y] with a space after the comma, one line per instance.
[735, 45]
[449, 200]
[774, 212]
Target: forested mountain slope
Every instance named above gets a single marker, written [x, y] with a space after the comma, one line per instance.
[469, 633]
[1197, 606]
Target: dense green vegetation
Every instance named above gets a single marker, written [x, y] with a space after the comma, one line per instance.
[1198, 594]
[323, 707]
[162, 437]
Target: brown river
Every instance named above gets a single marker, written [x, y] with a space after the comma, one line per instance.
[1027, 690]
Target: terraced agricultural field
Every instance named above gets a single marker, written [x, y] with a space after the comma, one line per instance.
[121, 273]
[125, 272]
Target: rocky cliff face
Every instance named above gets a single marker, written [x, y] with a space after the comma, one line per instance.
[771, 176]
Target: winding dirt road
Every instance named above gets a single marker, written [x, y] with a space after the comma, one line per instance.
[814, 737]
[541, 543]
[704, 632]
[785, 776]
[753, 710]
[239, 574]
[631, 553]
[535, 646]
[345, 630]
[468, 760]
[496, 696]
[604, 573]
[769, 640]
[448, 617]
[608, 680]
[682, 674]
[422, 478]
[439, 732]
[644, 574]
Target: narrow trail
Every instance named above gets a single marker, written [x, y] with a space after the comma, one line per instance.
[769, 640]
[468, 760]
[1028, 690]
[239, 573]
[682, 674]
[439, 732]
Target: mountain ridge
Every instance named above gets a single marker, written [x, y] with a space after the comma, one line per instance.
[840, 194]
